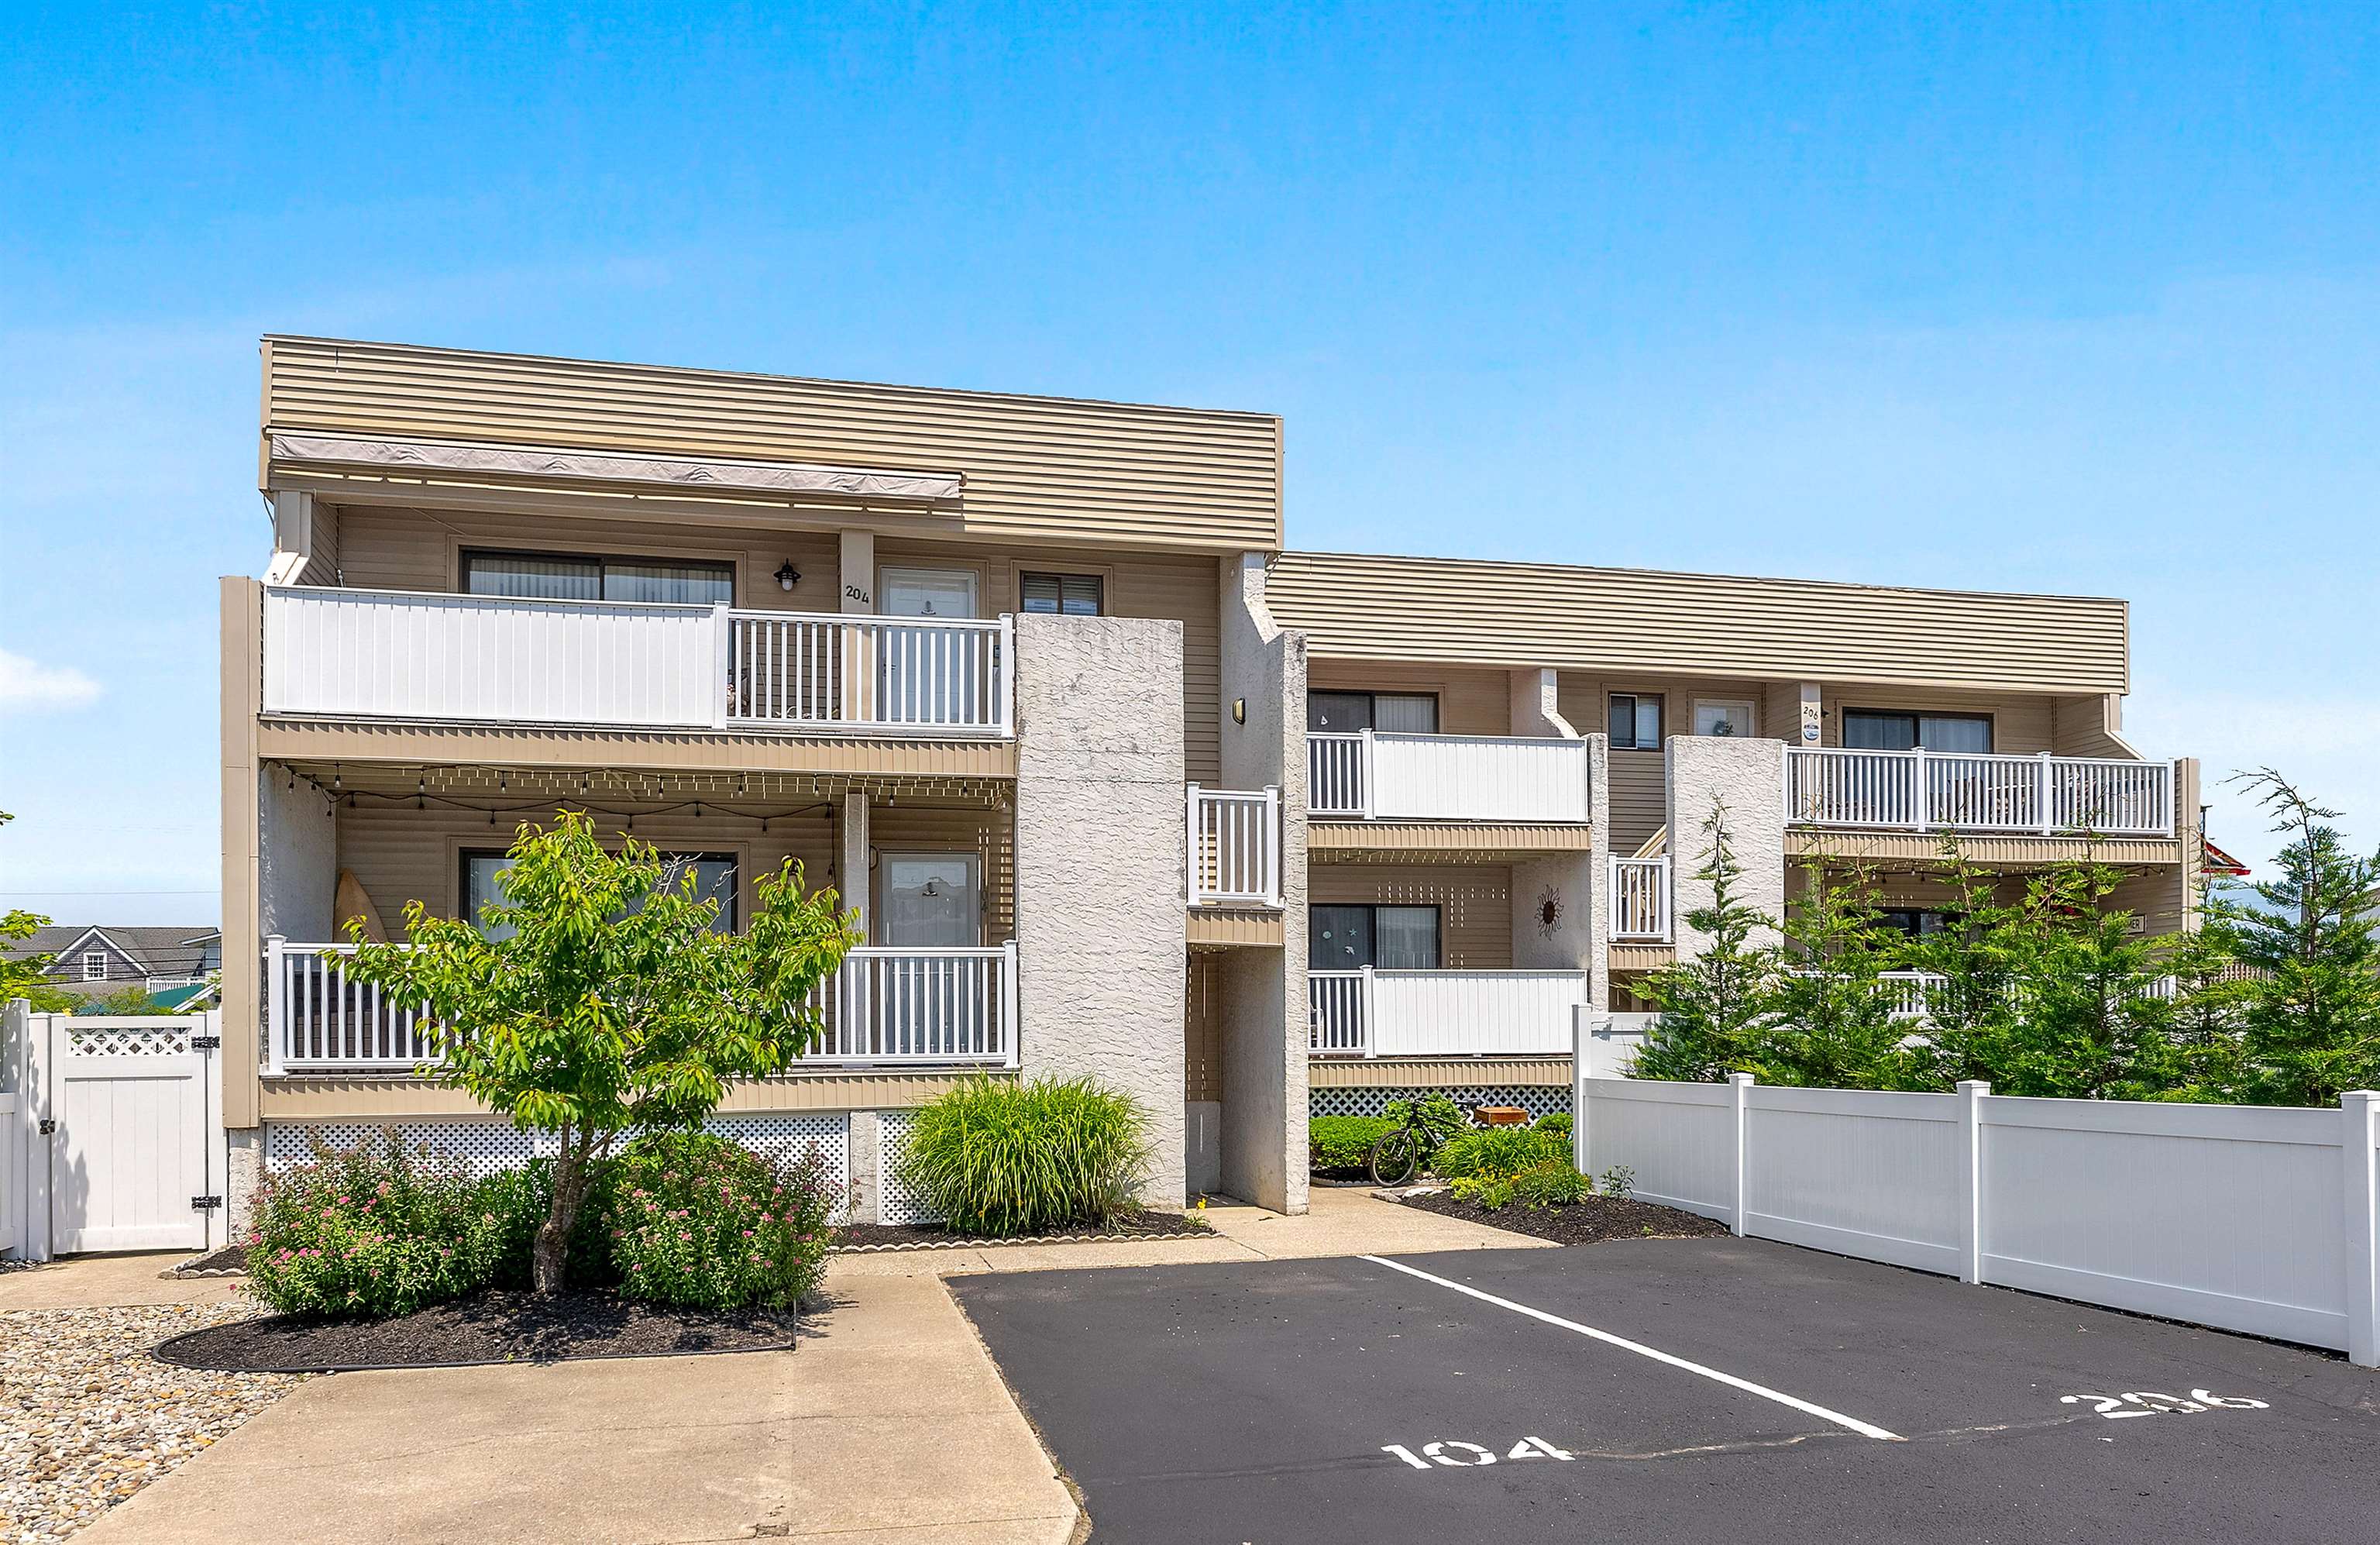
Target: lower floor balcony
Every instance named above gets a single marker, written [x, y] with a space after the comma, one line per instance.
[1373, 1012]
[884, 1006]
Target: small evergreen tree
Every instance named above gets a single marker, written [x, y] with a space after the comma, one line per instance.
[1833, 1023]
[2088, 1023]
[2211, 993]
[1971, 1000]
[2311, 1025]
[1713, 1007]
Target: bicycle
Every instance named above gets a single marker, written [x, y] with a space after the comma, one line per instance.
[1423, 1126]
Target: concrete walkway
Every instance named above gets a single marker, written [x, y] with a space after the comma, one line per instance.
[889, 1424]
[1340, 1221]
[110, 1282]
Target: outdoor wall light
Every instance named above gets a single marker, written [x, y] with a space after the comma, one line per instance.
[788, 576]
[1239, 711]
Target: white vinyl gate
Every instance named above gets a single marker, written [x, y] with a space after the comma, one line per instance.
[111, 1133]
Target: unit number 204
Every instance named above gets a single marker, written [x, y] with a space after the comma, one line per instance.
[2148, 1402]
[1458, 1454]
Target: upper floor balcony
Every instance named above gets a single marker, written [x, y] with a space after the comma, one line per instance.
[1371, 775]
[1931, 791]
[427, 656]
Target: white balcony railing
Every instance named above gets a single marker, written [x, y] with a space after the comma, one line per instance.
[884, 1007]
[1372, 1013]
[408, 654]
[1371, 776]
[1640, 900]
[1911, 993]
[1234, 848]
[1924, 790]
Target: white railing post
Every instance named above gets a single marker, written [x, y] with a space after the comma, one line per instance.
[1581, 1067]
[2048, 811]
[1971, 1093]
[1739, 1093]
[2359, 1111]
[1921, 796]
[1006, 674]
[276, 1006]
[1366, 1031]
[1271, 842]
[722, 655]
[1368, 797]
[1008, 1002]
[1191, 887]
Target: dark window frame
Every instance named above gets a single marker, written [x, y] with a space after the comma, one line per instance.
[734, 859]
[1661, 711]
[1438, 929]
[1916, 717]
[1097, 582]
[463, 564]
[1372, 698]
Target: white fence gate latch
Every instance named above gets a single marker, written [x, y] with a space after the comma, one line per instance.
[205, 1042]
[205, 1204]
[49, 1126]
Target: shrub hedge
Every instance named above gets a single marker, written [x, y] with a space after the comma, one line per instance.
[1343, 1142]
[1499, 1152]
[376, 1230]
[702, 1222]
[1000, 1156]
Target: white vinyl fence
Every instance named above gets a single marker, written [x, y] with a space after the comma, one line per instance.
[2245, 1218]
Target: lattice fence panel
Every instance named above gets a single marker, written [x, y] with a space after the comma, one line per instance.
[167, 1038]
[1538, 1099]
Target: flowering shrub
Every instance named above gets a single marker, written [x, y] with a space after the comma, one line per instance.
[697, 1221]
[375, 1230]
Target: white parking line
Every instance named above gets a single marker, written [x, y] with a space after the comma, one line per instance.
[1866, 1429]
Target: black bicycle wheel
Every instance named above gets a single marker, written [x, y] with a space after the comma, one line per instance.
[1395, 1157]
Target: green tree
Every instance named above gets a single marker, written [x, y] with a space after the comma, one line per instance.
[1971, 993]
[2089, 1024]
[127, 1002]
[2310, 1026]
[604, 1004]
[2211, 993]
[1715, 1006]
[1831, 1023]
[28, 976]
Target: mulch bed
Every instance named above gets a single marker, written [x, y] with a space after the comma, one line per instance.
[1590, 1222]
[484, 1328]
[861, 1238]
[230, 1262]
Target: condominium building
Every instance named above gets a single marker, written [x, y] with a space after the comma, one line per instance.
[1117, 782]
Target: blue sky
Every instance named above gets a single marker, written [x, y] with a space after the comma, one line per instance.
[2027, 298]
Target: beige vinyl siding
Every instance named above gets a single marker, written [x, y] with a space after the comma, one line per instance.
[322, 563]
[1035, 467]
[1182, 589]
[1474, 901]
[1202, 1028]
[400, 854]
[1355, 606]
[2088, 728]
[1640, 796]
[1639, 780]
[1469, 701]
[397, 548]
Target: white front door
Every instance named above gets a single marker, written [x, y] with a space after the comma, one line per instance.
[928, 901]
[927, 674]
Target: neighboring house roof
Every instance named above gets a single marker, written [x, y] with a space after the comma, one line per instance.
[181, 951]
[2219, 862]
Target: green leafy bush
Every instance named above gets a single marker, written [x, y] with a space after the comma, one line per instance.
[1001, 1156]
[1552, 1183]
[1619, 1182]
[372, 1231]
[1490, 1191]
[1499, 1152]
[1557, 1121]
[1438, 1115]
[698, 1222]
[1343, 1142]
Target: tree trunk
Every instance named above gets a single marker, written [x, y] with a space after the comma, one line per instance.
[550, 1254]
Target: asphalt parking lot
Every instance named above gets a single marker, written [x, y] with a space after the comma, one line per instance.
[1664, 1390]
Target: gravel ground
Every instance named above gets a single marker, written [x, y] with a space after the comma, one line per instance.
[87, 1418]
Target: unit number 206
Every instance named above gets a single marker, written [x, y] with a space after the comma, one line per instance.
[2148, 1402]
[1458, 1454]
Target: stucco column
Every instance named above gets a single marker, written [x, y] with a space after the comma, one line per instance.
[1101, 865]
[1744, 779]
[855, 573]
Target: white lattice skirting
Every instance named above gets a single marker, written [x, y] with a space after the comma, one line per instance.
[1538, 1099]
[487, 1146]
[896, 1202]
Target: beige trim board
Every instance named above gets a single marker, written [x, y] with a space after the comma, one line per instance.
[332, 1097]
[1924, 850]
[1401, 842]
[1362, 606]
[283, 739]
[1209, 927]
[1643, 957]
[1433, 1072]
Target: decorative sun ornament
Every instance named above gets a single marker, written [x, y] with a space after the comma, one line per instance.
[1549, 912]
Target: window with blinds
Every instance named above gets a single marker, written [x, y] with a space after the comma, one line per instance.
[558, 577]
[1073, 595]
